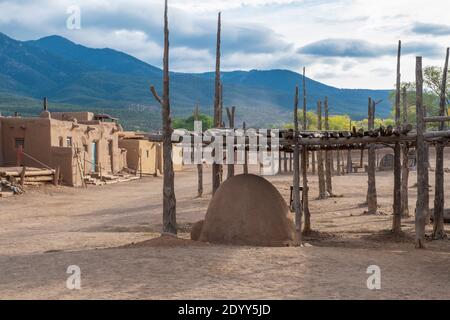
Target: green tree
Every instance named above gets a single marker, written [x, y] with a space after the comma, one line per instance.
[337, 122]
[432, 87]
[188, 123]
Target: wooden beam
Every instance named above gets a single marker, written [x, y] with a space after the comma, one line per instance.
[305, 159]
[296, 183]
[441, 119]
[421, 160]
[216, 168]
[372, 200]
[439, 199]
[200, 165]
[169, 200]
[320, 164]
[397, 205]
[328, 155]
[405, 164]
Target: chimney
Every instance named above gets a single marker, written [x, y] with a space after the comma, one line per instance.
[45, 104]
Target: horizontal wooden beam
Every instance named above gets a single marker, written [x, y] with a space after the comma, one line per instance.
[437, 119]
[329, 143]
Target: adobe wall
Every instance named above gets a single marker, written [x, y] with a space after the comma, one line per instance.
[177, 158]
[65, 160]
[69, 116]
[36, 135]
[46, 139]
[148, 151]
[83, 136]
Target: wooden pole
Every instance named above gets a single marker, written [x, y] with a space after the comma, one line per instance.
[290, 161]
[421, 160]
[305, 159]
[361, 160]
[216, 168]
[169, 200]
[313, 162]
[427, 175]
[397, 206]
[230, 114]
[296, 191]
[285, 162]
[56, 176]
[22, 176]
[338, 162]
[199, 165]
[349, 156]
[140, 163]
[328, 156]
[372, 201]
[245, 151]
[439, 200]
[405, 164]
[320, 164]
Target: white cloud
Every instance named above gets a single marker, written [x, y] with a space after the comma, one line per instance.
[256, 33]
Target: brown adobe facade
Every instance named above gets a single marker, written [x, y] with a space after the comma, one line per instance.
[75, 142]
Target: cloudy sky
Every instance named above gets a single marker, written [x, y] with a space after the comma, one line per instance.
[344, 43]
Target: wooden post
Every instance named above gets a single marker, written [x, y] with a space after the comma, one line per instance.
[361, 160]
[245, 151]
[328, 156]
[230, 114]
[22, 176]
[427, 175]
[169, 200]
[421, 160]
[216, 168]
[199, 165]
[320, 168]
[305, 159]
[56, 176]
[290, 161]
[338, 162]
[285, 162]
[405, 164]
[438, 222]
[296, 191]
[313, 162]
[349, 155]
[397, 206]
[140, 163]
[372, 201]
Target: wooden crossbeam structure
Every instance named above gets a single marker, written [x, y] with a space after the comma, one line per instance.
[316, 140]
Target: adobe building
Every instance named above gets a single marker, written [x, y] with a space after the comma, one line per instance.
[143, 154]
[79, 143]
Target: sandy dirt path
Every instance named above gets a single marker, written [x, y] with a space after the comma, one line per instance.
[48, 229]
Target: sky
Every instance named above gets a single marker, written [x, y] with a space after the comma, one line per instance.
[343, 43]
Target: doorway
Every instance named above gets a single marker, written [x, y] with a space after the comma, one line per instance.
[94, 155]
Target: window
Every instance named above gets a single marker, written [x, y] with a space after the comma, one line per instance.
[69, 141]
[61, 142]
[20, 143]
[148, 154]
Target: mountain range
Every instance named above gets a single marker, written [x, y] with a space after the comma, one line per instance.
[73, 76]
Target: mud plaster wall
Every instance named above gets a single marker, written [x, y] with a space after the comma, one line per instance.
[148, 150]
[47, 140]
[107, 157]
[36, 136]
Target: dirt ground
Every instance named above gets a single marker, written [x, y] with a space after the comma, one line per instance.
[105, 231]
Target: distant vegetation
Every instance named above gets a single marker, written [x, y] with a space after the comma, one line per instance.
[188, 123]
